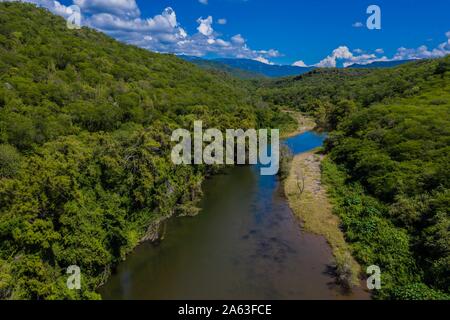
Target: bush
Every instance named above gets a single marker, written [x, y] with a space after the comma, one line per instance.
[10, 160]
[418, 291]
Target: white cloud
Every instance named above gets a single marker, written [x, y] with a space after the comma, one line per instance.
[205, 26]
[238, 39]
[344, 55]
[341, 52]
[53, 6]
[263, 60]
[357, 25]
[347, 58]
[222, 21]
[126, 8]
[163, 27]
[423, 52]
[299, 63]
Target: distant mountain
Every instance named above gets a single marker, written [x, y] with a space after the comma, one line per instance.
[268, 70]
[379, 64]
[247, 69]
[251, 69]
[219, 66]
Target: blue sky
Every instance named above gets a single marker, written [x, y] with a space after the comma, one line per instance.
[324, 33]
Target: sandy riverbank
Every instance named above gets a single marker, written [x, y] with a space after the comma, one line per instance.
[308, 200]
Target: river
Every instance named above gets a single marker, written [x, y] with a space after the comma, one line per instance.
[244, 244]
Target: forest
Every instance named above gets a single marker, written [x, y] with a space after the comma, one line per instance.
[85, 170]
[387, 168]
[85, 126]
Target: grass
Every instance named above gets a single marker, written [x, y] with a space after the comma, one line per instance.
[309, 202]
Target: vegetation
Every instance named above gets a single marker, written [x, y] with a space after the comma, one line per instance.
[388, 165]
[247, 68]
[85, 170]
[222, 68]
[308, 200]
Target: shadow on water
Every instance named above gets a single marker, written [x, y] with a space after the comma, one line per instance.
[245, 244]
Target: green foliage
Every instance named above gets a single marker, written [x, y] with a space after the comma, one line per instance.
[9, 161]
[418, 291]
[286, 158]
[85, 125]
[390, 137]
[374, 240]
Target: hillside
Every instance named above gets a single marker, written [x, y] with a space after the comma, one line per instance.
[85, 170]
[387, 168]
[219, 67]
[246, 68]
[271, 71]
[379, 64]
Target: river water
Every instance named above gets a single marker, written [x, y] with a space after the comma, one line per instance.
[244, 244]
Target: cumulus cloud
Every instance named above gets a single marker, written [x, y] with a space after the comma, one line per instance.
[205, 26]
[341, 52]
[346, 57]
[238, 39]
[126, 8]
[423, 52]
[299, 63]
[263, 60]
[222, 21]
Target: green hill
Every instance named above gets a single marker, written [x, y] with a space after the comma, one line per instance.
[379, 64]
[219, 67]
[246, 68]
[85, 125]
[388, 166]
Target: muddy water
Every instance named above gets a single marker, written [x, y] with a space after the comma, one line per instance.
[245, 244]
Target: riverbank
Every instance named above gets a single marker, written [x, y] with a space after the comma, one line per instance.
[308, 199]
[305, 124]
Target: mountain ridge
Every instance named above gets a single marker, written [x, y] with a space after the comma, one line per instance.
[248, 68]
[252, 69]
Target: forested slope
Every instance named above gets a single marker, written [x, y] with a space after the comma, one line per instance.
[388, 167]
[85, 125]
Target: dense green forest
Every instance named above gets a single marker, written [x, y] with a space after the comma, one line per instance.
[219, 67]
[85, 170]
[85, 126]
[388, 169]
